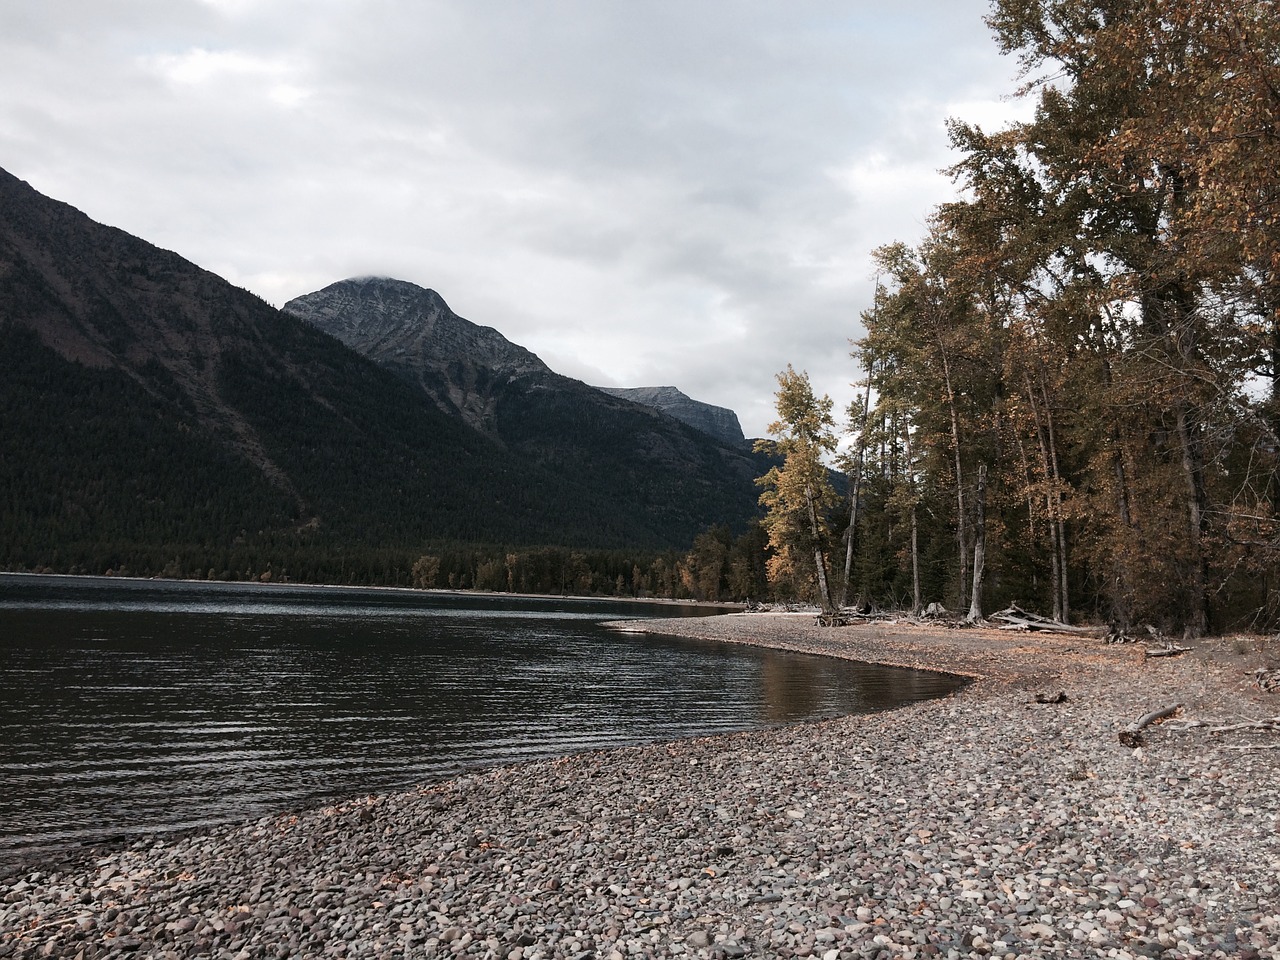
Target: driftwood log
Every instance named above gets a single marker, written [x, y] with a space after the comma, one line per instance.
[1015, 618]
[1270, 724]
[1131, 736]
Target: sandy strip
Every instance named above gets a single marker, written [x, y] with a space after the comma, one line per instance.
[985, 824]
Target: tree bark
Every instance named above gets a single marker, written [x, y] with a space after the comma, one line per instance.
[854, 492]
[915, 563]
[1047, 438]
[1043, 442]
[1058, 520]
[1274, 313]
[1173, 309]
[915, 526]
[979, 544]
[961, 537]
[819, 559]
[1121, 594]
[1198, 614]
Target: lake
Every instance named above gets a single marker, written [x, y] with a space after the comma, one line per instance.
[136, 706]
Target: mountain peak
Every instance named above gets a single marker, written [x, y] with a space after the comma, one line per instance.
[720, 422]
[411, 330]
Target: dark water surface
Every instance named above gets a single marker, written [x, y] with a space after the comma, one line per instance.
[135, 706]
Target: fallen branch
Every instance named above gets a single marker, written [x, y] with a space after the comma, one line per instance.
[1267, 723]
[1131, 736]
[1168, 650]
[1256, 746]
[1059, 697]
[1272, 723]
[877, 617]
[1018, 619]
[60, 922]
[1267, 679]
[1116, 635]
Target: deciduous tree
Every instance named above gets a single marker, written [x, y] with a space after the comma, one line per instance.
[798, 494]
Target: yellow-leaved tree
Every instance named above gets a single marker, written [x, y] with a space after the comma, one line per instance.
[798, 495]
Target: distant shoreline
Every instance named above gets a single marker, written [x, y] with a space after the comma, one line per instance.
[424, 591]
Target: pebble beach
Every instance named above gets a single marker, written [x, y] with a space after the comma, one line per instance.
[987, 824]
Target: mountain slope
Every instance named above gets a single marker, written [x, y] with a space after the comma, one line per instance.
[639, 457]
[154, 416]
[719, 422]
[412, 331]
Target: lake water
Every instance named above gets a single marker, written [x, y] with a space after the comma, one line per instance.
[129, 707]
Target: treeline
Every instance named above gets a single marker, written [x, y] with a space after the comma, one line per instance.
[718, 567]
[99, 476]
[98, 473]
[1072, 396]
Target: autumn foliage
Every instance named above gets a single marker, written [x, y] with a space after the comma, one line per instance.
[1076, 369]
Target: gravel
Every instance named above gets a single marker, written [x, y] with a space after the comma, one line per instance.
[986, 824]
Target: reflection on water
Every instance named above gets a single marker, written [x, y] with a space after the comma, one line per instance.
[136, 706]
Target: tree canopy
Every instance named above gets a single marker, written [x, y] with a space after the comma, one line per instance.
[1083, 351]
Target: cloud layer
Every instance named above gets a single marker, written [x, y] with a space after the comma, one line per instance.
[641, 193]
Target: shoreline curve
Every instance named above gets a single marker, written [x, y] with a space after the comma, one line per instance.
[983, 824]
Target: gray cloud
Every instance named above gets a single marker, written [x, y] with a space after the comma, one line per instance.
[645, 193]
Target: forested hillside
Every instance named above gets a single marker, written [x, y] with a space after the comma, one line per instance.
[637, 458]
[1074, 375]
[155, 419]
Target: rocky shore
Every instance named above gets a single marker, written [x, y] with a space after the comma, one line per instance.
[988, 824]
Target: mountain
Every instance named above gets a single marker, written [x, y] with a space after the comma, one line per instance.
[459, 364]
[155, 417]
[411, 331]
[636, 454]
[719, 422]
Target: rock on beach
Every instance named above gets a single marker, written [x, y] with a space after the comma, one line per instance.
[986, 824]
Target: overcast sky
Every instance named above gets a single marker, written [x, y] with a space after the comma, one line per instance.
[642, 192]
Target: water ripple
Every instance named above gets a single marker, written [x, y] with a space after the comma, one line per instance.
[134, 707]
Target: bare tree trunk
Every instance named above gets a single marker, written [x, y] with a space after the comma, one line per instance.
[979, 544]
[1171, 314]
[1057, 518]
[915, 562]
[915, 526]
[1122, 592]
[1056, 557]
[1198, 614]
[1181, 331]
[854, 492]
[1030, 482]
[1054, 553]
[1275, 366]
[961, 538]
[1122, 482]
[819, 559]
